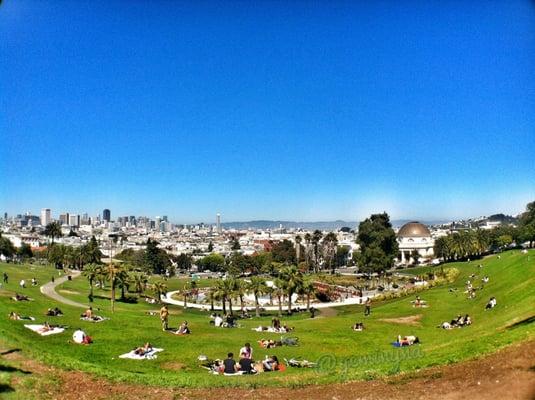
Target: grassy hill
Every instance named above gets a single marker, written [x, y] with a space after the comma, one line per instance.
[343, 354]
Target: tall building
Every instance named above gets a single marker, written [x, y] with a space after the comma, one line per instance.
[218, 223]
[74, 220]
[64, 219]
[106, 215]
[45, 216]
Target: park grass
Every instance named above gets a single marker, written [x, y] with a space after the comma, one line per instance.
[343, 354]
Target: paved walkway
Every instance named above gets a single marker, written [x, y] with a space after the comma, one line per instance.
[49, 290]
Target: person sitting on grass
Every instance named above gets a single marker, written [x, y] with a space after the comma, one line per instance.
[218, 321]
[87, 313]
[271, 364]
[246, 364]
[491, 303]
[183, 329]
[230, 321]
[408, 340]
[467, 320]
[80, 337]
[485, 279]
[229, 364]
[141, 351]
[359, 326]
[247, 351]
[45, 328]
[445, 325]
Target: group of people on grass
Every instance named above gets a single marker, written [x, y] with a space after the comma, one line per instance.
[459, 322]
[245, 364]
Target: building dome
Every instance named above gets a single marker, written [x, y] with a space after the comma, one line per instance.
[414, 229]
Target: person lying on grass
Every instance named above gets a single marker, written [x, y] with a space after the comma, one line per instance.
[407, 340]
[359, 326]
[419, 302]
[87, 313]
[271, 364]
[16, 317]
[20, 297]
[80, 337]
[282, 329]
[46, 328]
[54, 312]
[183, 329]
[141, 351]
[459, 322]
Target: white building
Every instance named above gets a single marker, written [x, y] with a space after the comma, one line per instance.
[45, 216]
[414, 237]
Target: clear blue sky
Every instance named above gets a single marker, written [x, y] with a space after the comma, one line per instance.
[277, 110]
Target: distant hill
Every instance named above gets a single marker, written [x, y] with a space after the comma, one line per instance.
[321, 225]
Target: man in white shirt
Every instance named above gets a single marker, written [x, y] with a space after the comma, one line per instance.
[218, 321]
[78, 336]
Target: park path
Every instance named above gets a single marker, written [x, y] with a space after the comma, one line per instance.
[49, 290]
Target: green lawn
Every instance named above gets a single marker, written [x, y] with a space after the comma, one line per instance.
[344, 354]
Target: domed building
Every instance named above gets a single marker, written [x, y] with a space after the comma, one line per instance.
[414, 238]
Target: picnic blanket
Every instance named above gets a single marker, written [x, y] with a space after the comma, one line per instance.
[37, 329]
[147, 356]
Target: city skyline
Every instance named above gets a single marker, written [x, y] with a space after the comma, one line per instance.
[285, 112]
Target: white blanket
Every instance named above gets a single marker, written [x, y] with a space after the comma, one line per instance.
[148, 356]
[38, 328]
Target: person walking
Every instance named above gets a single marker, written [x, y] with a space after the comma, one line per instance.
[164, 317]
[6, 278]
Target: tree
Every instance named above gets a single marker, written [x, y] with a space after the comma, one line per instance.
[293, 279]
[213, 262]
[258, 287]
[183, 262]
[56, 255]
[284, 252]
[158, 289]
[279, 290]
[241, 290]
[316, 238]
[210, 247]
[342, 254]
[235, 245]
[139, 280]
[220, 294]
[307, 289]
[230, 286]
[298, 240]
[91, 252]
[91, 272]
[527, 224]
[111, 270]
[53, 230]
[25, 251]
[156, 260]
[6, 247]
[329, 250]
[378, 244]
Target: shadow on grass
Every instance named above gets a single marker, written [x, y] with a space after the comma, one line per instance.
[525, 321]
[5, 388]
[7, 368]
[5, 353]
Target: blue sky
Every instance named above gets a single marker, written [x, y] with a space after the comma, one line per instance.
[277, 110]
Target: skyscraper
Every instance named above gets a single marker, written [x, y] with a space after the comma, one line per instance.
[218, 223]
[74, 220]
[106, 215]
[45, 216]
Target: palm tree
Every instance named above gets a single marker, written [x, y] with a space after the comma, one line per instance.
[298, 240]
[139, 281]
[329, 249]
[186, 291]
[293, 280]
[308, 239]
[123, 280]
[307, 289]
[258, 287]
[316, 238]
[91, 272]
[219, 293]
[229, 286]
[279, 292]
[159, 288]
[241, 290]
[111, 271]
[53, 230]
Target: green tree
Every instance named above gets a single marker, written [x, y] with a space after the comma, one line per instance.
[293, 279]
[112, 271]
[210, 247]
[159, 288]
[53, 231]
[156, 260]
[184, 262]
[278, 292]
[7, 249]
[235, 245]
[329, 243]
[316, 239]
[378, 244]
[527, 224]
[56, 255]
[91, 272]
[284, 252]
[139, 281]
[213, 262]
[308, 290]
[25, 251]
[258, 287]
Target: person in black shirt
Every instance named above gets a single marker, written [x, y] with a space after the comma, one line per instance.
[229, 364]
[246, 364]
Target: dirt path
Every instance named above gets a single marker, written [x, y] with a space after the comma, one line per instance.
[507, 374]
[49, 289]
